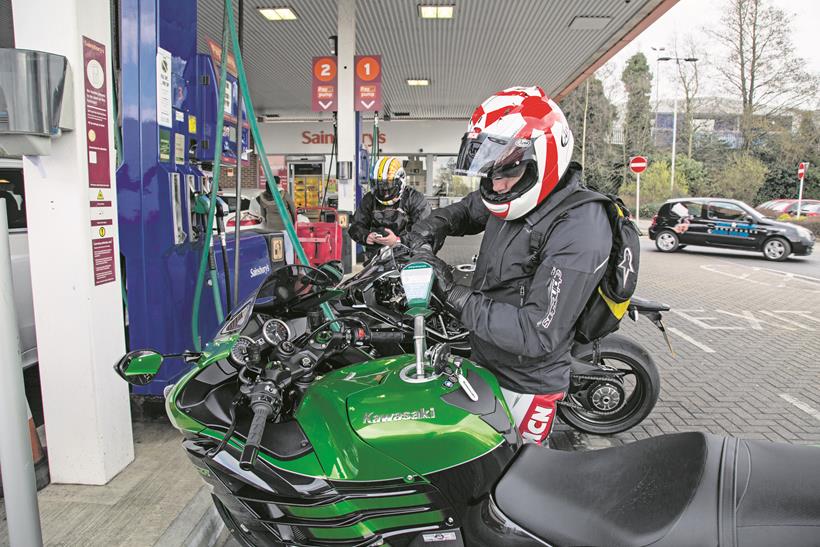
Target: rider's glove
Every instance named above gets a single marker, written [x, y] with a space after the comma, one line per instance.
[456, 299]
[416, 242]
[451, 295]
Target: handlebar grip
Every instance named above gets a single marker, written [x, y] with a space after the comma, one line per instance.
[391, 337]
[257, 429]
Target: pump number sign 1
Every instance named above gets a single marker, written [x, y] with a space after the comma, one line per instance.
[368, 83]
[324, 84]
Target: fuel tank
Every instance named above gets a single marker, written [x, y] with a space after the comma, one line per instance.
[373, 421]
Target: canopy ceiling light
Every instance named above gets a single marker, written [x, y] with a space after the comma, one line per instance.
[436, 12]
[278, 14]
[586, 22]
[420, 82]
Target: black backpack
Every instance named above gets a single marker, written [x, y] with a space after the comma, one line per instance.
[608, 304]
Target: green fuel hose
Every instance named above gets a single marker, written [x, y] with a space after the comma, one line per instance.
[288, 222]
[220, 122]
[229, 32]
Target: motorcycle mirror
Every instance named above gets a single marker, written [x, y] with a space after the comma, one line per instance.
[139, 367]
[417, 281]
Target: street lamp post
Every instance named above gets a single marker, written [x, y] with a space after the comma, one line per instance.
[675, 116]
[657, 51]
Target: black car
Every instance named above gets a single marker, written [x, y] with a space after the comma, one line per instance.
[727, 223]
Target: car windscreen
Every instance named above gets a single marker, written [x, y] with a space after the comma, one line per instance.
[779, 206]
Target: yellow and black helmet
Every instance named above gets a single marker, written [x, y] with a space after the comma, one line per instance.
[387, 180]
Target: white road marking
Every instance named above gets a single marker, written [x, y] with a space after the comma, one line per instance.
[801, 277]
[805, 407]
[754, 322]
[701, 321]
[748, 316]
[803, 314]
[744, 277]
[704, 347]
[790, 322]
[779, 278]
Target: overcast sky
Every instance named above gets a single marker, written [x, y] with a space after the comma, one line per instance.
[691, 17]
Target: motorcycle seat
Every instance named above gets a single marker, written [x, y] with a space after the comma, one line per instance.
[681, 490]
[646, 306]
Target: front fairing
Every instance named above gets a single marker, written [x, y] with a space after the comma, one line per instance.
[375, 455]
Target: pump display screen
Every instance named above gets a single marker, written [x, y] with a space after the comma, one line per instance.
[417, 280]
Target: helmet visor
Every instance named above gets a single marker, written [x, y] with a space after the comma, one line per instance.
[386, 190]
[491, 156]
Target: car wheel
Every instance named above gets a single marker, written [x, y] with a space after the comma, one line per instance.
[776, 249]
[667, 241]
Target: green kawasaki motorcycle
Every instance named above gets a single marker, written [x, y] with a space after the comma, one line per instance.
[309, 441]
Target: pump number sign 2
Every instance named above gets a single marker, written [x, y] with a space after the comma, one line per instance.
[324, 84]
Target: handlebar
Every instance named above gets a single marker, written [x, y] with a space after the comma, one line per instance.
[264, 396]
[391, 337]
[254, 439]
[362, 336]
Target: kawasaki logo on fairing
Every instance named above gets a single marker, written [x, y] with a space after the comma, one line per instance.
[260, 270]
[420, 414]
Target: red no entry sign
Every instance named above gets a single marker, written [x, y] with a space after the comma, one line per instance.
[637, 164]
[801, 170]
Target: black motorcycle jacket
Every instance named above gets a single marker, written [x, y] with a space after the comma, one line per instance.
[524, 304]
[400, 218]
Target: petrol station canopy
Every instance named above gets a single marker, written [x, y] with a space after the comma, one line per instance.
[488, 45]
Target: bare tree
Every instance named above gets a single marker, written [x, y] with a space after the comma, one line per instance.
[761, 64]
[690, 82]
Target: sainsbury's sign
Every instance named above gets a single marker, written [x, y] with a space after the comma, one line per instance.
[322, 137]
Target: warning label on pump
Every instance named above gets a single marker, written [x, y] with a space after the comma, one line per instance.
[102, 251]
[164, 88]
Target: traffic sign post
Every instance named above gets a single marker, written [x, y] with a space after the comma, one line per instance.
[368, 83]
[638, 164]
[802, 167]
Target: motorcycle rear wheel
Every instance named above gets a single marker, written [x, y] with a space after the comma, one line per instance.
[643, 381]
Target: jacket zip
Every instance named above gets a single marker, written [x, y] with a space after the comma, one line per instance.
[487, 268]
[522, 293]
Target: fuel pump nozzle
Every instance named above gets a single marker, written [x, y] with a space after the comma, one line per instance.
[201, 206]
[223, 209]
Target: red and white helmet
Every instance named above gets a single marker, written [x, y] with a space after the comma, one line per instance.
[516, 132]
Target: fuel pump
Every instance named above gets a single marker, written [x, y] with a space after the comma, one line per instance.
[170, 97]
